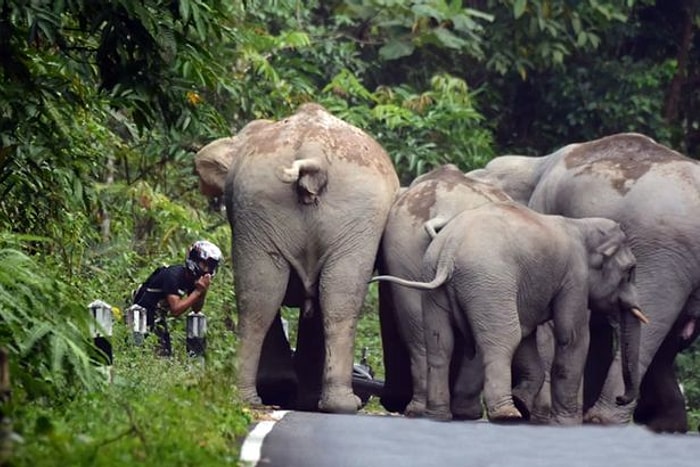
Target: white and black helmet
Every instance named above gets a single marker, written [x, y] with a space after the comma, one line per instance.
[205, 252]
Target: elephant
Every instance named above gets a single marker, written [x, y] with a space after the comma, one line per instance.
[420, 210]
[499, 271]
[307, 198]
[661, 403]
[654, 193]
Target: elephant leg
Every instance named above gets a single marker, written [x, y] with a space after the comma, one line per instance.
[496, 329]
[276, 382]
[309, 359]
[439, 343]
[601, 353]
[408, 304]
[528, 375]
[661, 405]
[659, 308]
[466, 381]
[572, 339]
[398, 390]
[342, 286]
[541, 412]
[260, 288]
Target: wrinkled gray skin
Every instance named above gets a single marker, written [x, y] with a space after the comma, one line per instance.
[426, 205]
[654, 193]
[499, 271]
[307, 198]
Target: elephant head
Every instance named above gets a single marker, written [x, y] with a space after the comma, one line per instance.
[612, 290]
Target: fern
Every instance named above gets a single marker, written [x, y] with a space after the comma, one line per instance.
[43, 327]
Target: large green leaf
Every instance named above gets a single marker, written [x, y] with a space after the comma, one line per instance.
[519, 8]
[396, 49]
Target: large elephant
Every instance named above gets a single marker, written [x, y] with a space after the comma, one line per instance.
[654, 193]
[499, 271]
[429, 202]
[307, 199]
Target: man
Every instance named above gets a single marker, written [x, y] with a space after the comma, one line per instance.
[175, 289]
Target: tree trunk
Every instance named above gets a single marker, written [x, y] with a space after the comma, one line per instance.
[674, 93]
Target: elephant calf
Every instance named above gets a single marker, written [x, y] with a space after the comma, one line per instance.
[431, 200]
[500, 270]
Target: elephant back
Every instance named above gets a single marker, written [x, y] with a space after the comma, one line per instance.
[634, 178]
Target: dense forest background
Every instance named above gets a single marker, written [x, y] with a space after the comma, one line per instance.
[104, 103]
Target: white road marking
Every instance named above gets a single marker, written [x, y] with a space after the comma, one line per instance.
[252, 446]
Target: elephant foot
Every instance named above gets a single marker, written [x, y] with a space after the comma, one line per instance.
[601, 415]
[439, 414]
[567, 419]
[415, 409]
[662, 418]
[668, 424]
[522, 406]
[467, 409]
[540, 416]
[505, 414]
[339, 401]
[250, 397]
[525, 398]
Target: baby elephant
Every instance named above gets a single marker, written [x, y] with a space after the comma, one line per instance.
[496, 273]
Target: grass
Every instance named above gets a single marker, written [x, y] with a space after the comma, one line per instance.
[170, 412]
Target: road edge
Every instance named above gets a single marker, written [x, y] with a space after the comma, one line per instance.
[252, 445]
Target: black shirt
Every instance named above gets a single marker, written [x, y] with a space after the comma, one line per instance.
[170, 280]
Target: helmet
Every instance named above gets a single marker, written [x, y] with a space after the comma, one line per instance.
[202, 254]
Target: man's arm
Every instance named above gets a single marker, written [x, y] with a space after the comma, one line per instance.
[195, 300]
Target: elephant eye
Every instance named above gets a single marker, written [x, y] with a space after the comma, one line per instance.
[631, 274]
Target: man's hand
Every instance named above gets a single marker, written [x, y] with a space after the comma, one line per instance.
[203, 283]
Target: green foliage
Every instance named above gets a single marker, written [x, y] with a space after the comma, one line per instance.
[403, 27]
[44, 328]
[419, 130]
[615, 96]
[177, 411]
[531, 35]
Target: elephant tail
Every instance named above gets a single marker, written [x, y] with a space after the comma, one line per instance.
[442, 276]
[310, 176]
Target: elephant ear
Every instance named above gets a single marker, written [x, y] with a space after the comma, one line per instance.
[211, 164]
[611, 239]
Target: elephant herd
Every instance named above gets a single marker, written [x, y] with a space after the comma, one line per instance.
[555, 289]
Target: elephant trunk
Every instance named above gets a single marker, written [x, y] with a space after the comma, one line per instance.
[630, 331]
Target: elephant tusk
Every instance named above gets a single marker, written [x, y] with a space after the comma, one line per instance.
[639, 315]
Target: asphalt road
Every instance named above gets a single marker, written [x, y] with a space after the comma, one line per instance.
[302, 439]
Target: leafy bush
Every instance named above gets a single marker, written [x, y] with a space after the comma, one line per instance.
[44, 328]
[420, 131]
[176, 411]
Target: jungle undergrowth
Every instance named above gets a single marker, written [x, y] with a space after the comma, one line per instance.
[156, 411]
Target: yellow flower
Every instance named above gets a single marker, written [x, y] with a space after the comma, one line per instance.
[193, 98]
[117, 313]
